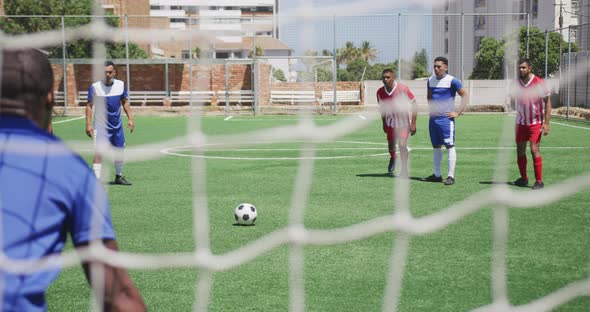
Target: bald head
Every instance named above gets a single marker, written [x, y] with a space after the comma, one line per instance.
[26, 84]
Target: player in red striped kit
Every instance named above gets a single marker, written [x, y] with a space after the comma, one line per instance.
[398, 114]
[533, 110]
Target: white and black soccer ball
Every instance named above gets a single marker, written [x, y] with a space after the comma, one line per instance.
[245, 214]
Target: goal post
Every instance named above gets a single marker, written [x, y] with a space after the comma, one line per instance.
[294, 84]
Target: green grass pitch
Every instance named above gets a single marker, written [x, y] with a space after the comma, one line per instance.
[449, 270]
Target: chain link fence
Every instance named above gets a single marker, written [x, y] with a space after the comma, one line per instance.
[216, 54]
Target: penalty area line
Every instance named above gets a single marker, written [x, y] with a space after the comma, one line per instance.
[228, 118]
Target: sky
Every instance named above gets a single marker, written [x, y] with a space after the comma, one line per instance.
[310, 24]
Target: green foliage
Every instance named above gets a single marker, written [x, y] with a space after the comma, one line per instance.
[278, 74]
[420, 64]
[490, 56]
[489, 60]
[76, 49]
[259, 52]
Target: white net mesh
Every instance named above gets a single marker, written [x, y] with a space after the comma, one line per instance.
[308, 72]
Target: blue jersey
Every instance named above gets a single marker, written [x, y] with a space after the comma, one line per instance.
[443, 92]
[46, 192]
[109, 115]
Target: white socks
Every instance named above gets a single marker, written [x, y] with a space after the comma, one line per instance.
[452, 161]
[97, 168]
[437, 161]
[452, 155]
[118, 168]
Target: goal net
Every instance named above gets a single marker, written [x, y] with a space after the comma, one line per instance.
[303, 85]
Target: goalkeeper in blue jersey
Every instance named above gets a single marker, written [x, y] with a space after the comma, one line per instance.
[47, 192]
[108, 95]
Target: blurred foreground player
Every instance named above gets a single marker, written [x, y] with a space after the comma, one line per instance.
[46, 192]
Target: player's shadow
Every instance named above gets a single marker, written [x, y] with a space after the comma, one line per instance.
[244, 225]
[504, 183]
[385, 175]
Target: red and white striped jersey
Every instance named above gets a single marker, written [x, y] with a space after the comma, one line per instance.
[530, 107]
[396, 105]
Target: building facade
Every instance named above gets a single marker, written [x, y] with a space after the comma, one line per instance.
[458, 40]
[230, 22]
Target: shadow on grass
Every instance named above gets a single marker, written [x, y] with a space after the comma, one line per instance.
[505, 183]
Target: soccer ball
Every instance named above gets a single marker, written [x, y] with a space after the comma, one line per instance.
[245, 214]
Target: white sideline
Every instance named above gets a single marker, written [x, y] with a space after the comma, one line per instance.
[566, 125]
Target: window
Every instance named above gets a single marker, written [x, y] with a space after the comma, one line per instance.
[480, 23]
[535, 8]
[222, 55]
[446, 45]
[446, 23]
[176, 7]
[155, 7]
[480, 3]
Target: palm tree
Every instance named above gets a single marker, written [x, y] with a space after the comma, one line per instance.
[347, 54]
[368, 53]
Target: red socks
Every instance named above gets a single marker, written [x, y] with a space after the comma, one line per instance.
[522, 166]
[538, 165]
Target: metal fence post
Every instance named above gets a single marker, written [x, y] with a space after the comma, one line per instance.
[569, 69]
[546, 51]
[65, 65]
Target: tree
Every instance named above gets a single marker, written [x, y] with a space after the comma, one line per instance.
[259, 52]
[420, 64]
[278, 74]
[367, 52]
[490, 55]
[489, 60]
[76, 49]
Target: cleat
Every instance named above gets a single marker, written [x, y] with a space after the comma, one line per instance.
[449, 181]
[432, 178]
[521, 182]
[538, 185]
[121, 180]
[391, 165]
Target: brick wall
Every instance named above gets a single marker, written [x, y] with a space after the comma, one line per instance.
[152, 77]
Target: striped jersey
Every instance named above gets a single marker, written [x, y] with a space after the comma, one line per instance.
[529, 100]
[396, 105]
[109, 115]
[443, 91]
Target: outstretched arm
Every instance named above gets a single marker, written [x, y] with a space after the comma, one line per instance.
[414, 117]
[119, 293]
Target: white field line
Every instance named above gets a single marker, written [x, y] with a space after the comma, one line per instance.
[68, 120]
[566, 125]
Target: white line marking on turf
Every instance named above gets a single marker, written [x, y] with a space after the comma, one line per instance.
[183, 151]
[228, 118]
[566, 125]
[67, 120]
[362, 117]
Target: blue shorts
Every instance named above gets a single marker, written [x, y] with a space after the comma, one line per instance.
[116, 137]
[442, 131]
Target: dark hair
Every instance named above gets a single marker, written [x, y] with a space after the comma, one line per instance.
[27, 79]
[524, 60]
[442, 59]
[110, 63]
[388, 70]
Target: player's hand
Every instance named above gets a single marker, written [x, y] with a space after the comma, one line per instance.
[453, 114]
[412, 129]
[130, 125]
[545, 129]
[89, 131]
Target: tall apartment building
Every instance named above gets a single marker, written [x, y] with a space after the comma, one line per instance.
[447, 40]
[235, 24]
[584, 30]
